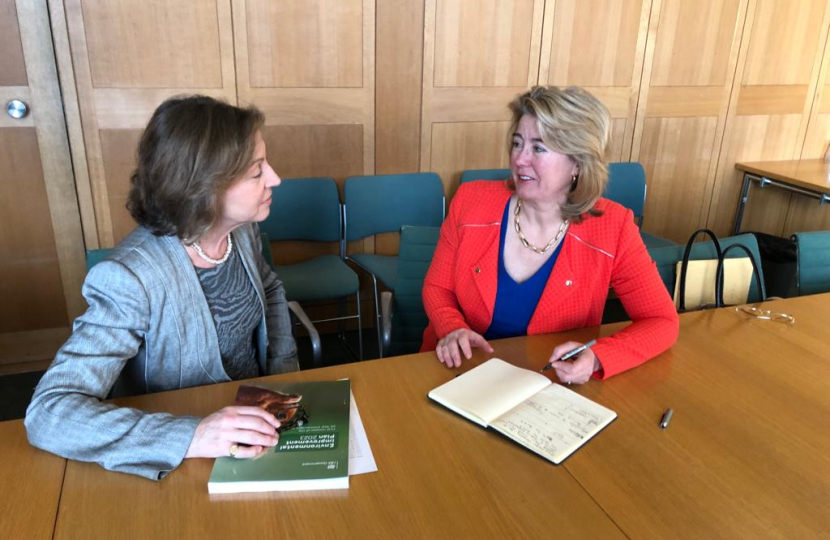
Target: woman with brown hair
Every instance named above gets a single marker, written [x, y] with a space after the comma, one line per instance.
[186, 299]
[538, 254]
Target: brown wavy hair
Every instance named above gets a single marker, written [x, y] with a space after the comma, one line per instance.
[191, 152]
[575, 123]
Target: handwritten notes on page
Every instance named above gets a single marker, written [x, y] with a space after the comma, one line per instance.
[523, 405]
[554, 422]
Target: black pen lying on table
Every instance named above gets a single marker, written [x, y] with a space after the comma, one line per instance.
[570, 354]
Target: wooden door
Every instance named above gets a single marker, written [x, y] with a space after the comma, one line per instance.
[688, 76]
[42, 265]
[599, 44]
[478, 56]
[309, 66]
[127, 57]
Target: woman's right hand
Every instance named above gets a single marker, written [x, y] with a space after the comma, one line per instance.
[449, 348]
[252, 427]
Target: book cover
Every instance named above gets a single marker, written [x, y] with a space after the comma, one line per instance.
[313, 448]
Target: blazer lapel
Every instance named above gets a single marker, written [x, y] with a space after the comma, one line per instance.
[485, 271]
[561, 283]
[202, 342]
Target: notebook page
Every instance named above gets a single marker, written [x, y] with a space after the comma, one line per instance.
[554, 422]
[485, 392]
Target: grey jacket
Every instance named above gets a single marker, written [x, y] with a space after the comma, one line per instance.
[148, 328]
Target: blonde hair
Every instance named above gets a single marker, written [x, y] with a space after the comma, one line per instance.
[575, 123]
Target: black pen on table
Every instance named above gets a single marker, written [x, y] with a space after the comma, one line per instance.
[570, 354]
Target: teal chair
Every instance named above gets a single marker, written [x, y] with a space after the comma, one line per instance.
[484, 174]
[385, 203]
[94, 256]
[667, 257]
[627, 186]
[403, 315]
[813, 261]
[295, 308]
[309, 209]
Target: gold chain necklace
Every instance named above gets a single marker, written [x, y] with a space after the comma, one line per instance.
[525, 243]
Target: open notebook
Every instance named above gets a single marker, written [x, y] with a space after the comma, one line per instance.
[525, 406]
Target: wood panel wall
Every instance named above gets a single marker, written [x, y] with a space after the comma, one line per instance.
[356, 87]
[770, 106]
[692, 86]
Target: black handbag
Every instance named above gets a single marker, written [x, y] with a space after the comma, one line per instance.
[719, 274]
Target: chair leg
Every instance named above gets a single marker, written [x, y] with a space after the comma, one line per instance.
[359, 328]
[386, 319]
[377, 316]
[316, 348]
[341, 312]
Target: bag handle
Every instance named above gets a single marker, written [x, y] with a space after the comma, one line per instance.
[684, 267]
[719, 276]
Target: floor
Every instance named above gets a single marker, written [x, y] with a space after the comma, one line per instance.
[16, 389]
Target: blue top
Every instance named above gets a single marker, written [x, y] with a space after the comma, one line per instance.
[516, 302]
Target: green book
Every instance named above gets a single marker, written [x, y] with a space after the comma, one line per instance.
[313, 450]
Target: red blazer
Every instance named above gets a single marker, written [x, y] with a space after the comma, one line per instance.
[460, 287]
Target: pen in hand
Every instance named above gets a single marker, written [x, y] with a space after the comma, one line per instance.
[570, 354]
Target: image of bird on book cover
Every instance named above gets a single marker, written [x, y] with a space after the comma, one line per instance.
[313, 447]
[285, 407]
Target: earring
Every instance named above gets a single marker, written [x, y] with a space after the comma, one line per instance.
[574, 181]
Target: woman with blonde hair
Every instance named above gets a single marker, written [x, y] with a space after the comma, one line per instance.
[539, 253]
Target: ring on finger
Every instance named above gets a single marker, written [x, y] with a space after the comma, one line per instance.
[233, 450]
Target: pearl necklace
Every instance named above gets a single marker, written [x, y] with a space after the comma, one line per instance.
[200, 252]
[525, 243]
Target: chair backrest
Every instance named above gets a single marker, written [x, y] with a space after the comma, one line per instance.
[627, 186]
[813, 256]
[94, 256]
[666, 259]
[385, 203]
[304, 209]
[485, 174]
[408, 316]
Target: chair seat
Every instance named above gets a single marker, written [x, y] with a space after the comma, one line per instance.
[321, 278]
[383, 267]
[652, 241]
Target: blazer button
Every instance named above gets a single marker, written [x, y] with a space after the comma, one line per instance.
[478, 270]
[568, 283]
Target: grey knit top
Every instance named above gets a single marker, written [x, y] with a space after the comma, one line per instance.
[236, 313]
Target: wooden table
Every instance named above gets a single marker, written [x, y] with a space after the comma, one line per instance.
[30, 486]
[809, 177]
[746, 454]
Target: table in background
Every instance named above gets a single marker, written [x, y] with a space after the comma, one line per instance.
[807, 177]
[744, 457]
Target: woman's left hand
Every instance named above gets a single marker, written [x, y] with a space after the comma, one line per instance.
[579, 369]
